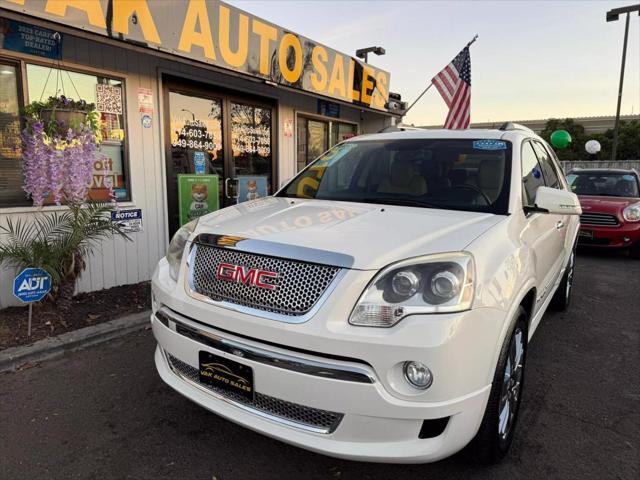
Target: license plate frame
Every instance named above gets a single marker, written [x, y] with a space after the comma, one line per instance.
[226, 375]
[587, 234]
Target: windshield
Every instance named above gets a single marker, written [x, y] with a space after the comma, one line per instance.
[450, 174]
[611, 184]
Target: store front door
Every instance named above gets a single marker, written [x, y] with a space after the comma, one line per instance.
[219, 149]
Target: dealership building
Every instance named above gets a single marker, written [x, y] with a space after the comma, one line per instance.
[182, 88]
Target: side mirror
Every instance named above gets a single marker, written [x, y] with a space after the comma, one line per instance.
[552, 200]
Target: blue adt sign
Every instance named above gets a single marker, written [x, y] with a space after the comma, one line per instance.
[32, 285]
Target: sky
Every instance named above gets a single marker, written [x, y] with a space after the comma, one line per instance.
[532, 59]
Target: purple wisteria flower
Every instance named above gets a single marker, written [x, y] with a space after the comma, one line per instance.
[60, 166]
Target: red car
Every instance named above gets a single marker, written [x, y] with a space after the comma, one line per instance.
[610, 200]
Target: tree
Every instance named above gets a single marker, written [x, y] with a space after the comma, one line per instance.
[628, 140]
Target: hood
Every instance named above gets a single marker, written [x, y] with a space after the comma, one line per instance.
[370, 236]
[605, 204]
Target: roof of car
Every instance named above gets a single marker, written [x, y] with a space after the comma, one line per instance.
[603, 170]
[414, 134]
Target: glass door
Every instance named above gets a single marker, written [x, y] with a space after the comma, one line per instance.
[214, 132]
[251, 156]
[196, 147]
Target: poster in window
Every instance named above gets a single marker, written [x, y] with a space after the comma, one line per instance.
[108, 99]
[197, 196]
[108, 169]
[252, 187]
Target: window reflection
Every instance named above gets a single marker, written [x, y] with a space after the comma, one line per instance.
[251, 140]
[11, 192]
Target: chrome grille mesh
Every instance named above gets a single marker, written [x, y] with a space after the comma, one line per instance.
[292, 412]
[298, 286]
[599, 219]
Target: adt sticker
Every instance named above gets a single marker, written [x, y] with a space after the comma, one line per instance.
[146, 121]
[489, 145]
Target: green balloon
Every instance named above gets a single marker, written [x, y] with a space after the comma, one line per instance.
[560, 139]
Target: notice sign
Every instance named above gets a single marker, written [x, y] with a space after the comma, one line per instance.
[25, 38]
[197, 196]
[108, 99]
[145, 100]
[130, 221]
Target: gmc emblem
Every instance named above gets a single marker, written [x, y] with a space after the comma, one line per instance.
[249, 276]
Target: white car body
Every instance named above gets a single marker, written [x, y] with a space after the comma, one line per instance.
[519, 259]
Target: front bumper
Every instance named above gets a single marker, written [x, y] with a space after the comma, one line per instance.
[372, 426]
[379, 421]
[621, 236]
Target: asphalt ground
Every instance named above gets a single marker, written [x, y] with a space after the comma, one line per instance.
[103, 413]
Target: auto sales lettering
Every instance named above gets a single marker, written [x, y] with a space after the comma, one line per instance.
[214, 32]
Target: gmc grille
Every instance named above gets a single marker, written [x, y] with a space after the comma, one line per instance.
[298, 287]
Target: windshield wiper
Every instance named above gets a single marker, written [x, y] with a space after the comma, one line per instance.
[397, 201]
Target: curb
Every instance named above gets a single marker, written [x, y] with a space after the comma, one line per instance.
[49, 348]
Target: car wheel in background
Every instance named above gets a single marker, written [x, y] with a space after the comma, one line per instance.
[562, 298]
[496, 432]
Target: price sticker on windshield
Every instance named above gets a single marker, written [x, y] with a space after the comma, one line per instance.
[489, 145]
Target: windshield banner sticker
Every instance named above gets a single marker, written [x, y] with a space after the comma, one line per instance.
[489, 145]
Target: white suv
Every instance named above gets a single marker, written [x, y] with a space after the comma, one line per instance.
[379, 306]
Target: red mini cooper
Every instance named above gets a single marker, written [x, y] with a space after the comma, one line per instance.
[610, 200]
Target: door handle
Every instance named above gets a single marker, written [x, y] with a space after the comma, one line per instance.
[226, 187]
[559, 225]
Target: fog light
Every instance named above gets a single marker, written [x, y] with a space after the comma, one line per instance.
[418, 375]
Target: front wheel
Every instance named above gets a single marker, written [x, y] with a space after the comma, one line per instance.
[496, 432]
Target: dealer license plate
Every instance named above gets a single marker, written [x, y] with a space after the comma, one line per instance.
[226, 375]
[586, 234]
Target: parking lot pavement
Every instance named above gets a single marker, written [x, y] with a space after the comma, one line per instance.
[104, 413]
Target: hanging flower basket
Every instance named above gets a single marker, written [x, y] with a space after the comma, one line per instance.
[59, 145]
[63, 117]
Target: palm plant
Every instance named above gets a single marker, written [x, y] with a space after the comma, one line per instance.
[60, 243]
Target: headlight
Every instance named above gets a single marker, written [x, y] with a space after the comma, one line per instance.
[440, 283]
[176, 247]
[632, 212]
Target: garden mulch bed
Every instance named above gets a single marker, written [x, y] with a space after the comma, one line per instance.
[88, 309]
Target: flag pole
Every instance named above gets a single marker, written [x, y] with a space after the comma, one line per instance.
[430, 84]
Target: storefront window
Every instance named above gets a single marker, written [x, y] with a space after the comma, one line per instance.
[11, 192]
[107, 94]
[316, 137]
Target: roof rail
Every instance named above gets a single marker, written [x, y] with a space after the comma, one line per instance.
[514, 126]
[398, 128]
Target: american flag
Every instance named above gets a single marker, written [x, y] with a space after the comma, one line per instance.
[454, 84]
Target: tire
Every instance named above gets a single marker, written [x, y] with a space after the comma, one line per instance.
[562, 297]
[634, 251]
[497, 429]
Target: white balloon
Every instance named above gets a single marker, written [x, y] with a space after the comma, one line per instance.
[592, 146]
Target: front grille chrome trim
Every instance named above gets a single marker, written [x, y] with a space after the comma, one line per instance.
[256, 312]
[322, 369]
[270, 405]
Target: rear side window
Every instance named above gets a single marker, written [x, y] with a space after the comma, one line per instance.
[531, 174]
[548, 170]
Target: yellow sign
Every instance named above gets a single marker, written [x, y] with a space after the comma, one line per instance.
[219, 34]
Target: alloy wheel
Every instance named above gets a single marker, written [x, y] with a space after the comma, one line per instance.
[570, 275]
[511, 384]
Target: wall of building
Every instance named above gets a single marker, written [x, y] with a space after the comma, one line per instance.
[117, 261]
